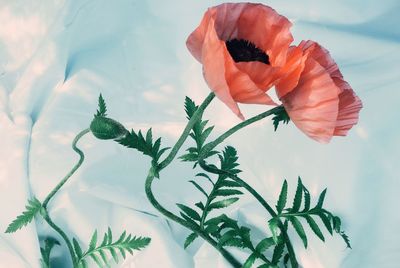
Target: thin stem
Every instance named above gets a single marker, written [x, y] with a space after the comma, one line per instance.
[46, 215]
[56, 228]
[196, 116]
[149, 180]
[208, 147]
[77, 165]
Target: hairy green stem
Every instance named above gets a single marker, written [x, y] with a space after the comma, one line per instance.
[56, 228]
[149, 180]
[72, 171]
[208, 147]
[46, 215]
[196, 116]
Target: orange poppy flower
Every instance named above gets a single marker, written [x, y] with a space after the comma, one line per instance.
[322, 104]
[243, 48]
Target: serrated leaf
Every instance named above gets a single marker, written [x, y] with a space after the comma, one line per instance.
[314, 227]
[346, 239]
[96, 260]
[321, 199]
[229, 235]
[26, 217]
[336, 223]
[278, 251]
[299, 229]
[282, 198]
[297, 197]
[273, 226]
[144, 145]
[326, 221]
[250, 261]
[190, 107]
[77, 247]
[199, 188]
[307, 199]
[223, 203]
[264, 244]
[227, 192]
[189, 240]
[280, 116]
[93, 241]
[230, 183]
[234, 242]
[123, 245]
[189, 212]
[200, 205]
[102, 111]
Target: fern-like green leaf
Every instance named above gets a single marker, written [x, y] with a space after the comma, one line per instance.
[143, 144]
[299, 229]
[189, 240]
[282, 198]
[278, 251]
[321, 199]
[298, 196]
[98, 252]
[280, 116]
[223, 203]
[26, 217]
[189, 212]
[314, 227]
[264, 244]
[102, 111]
[250, 261]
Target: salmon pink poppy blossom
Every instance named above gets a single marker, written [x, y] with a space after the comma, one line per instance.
[322, 104]
[243, 48]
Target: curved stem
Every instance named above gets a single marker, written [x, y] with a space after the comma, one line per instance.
[208, 147]
[45, 213]
[56, 228]
[196, 116]
[149, 180]
[77, 165]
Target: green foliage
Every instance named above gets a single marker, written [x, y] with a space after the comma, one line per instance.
[100, 253]
[199, 134]
[280, 116]
[45, 251]
[143, 144]
[301, 209]
[26, 217]
[107, 128]
[102, 111]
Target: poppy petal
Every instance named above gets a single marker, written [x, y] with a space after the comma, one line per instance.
[213, 58]
[291, 71]
[243, 89]
[349, 108]
[313, 104]
[195, 40]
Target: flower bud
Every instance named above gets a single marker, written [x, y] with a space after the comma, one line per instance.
[106, 128]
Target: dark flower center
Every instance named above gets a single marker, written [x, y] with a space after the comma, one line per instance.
[243, 50]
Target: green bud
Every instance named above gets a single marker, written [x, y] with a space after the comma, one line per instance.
[105, 128]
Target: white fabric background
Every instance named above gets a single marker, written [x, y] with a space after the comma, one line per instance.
[57, 56]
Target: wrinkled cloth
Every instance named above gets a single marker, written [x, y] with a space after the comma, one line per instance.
[57, 56]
